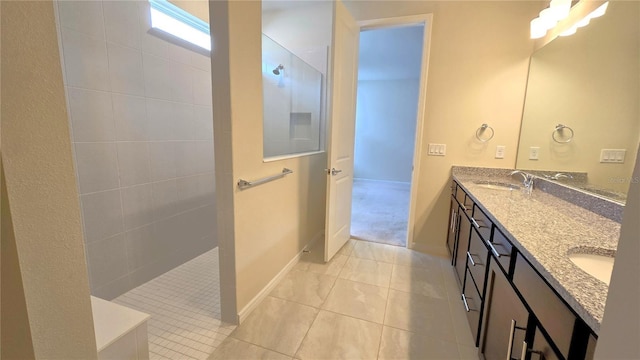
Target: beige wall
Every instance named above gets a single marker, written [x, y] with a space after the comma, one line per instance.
[41, 189]
[588, 81]
[477, 74]
[274, 221]
[198, 8]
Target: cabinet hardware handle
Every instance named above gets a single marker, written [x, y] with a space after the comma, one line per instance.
[453, 213]
[512, 333]
[524, 350]
[464, 301]
[473, 263]
[475, 224]
[493, 249]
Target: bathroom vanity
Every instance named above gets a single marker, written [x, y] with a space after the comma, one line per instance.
[524, 297]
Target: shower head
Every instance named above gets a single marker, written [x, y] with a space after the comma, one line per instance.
[277, 69]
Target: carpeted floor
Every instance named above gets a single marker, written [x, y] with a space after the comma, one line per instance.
[380, 211]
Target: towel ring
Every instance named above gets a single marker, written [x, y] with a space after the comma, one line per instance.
[559, 128]
[482, 129]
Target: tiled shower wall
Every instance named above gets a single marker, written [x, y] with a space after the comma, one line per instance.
[141, 122]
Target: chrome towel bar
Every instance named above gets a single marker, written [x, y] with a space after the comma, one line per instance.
[244, 184]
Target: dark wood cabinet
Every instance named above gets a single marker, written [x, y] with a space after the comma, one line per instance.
[506, 317]
[452, 237]
[512, 310]
[464, 231]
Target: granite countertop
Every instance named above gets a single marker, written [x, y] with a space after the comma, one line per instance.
[545, 229]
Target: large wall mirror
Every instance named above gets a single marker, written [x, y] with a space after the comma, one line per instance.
[589, 82]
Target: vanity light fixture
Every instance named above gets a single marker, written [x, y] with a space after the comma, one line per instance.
[549, 17]
[601, 10]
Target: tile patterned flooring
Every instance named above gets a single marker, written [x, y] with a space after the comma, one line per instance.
[372, 301]
[184, 305]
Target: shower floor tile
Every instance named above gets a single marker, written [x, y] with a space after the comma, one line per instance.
[184, 305]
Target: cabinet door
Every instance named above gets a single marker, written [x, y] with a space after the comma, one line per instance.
[464, 231]
[506, 319]
[453, 229]
[541, 348]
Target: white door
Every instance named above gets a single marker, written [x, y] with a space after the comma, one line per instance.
[344, 76]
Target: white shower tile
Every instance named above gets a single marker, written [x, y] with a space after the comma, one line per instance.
[165, 198]
[133, 163]
[85, 60]
[180, 54]
[163, 160]
[158, 77]
[202, 122]
[181, 79]
[82, 16]
[97, 166]
[125, 70]
[122, 22]
[102, 214]
[91, 115]
[202, 87]
[130, 115]
[137, 206]
[162, 121]
[201, 62]
[183, 114]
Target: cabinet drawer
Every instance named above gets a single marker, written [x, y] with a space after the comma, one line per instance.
[477, 260]
[482, 223]
[554, 316]
[454, 188]
[541, 348]
[472, 304]
[460, 195]
[501, 249]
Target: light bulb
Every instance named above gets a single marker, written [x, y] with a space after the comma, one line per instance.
[548, 18]
[538, 28]
[583, 22]
[572, 30]
[599, 11]
[560, 8]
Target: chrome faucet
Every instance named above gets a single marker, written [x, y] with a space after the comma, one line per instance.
[527, 180]
[558, 176]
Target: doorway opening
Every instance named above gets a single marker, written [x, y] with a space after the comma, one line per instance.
[388, 91]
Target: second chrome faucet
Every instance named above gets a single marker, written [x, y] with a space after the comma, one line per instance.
[527, 180]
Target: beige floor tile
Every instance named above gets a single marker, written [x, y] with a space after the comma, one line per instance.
[373, 251]
[233, 349]
[304, 287]
[335, 336]
[408, 257]
[357, 299]
[451, 283]
[460, 322]
[401, 344]
[347, 248]
[420, 314]
[468, 352]
[277, 325]
[418, 280]
[367, 271]
[314, 262]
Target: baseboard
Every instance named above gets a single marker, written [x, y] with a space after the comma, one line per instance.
[248, 309]
[436, 250]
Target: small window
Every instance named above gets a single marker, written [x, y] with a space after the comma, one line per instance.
[176, 22]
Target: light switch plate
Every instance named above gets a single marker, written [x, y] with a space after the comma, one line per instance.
[500, 149]
[437, 150]
[612, 155]
[534, 153]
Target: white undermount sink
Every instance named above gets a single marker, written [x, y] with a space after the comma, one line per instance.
[492, 185]
[598, 266]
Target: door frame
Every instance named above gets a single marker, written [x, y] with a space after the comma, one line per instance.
[402, 21]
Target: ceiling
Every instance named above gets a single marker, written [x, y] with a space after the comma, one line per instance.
[390, 53]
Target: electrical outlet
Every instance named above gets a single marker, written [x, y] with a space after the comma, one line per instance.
[612, 155]
[500, 151]
[437, 150]
[534, 153]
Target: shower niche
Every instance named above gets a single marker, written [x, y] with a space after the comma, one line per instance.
[293, 97]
